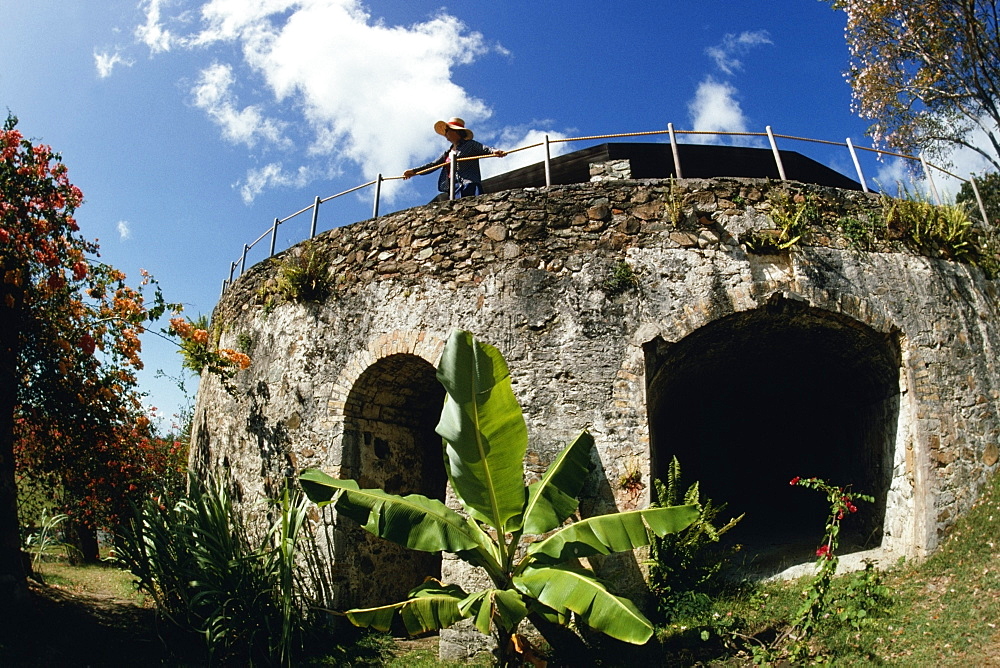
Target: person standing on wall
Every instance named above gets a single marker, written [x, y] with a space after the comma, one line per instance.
[468, 180]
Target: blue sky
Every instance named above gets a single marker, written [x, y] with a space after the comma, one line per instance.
[190, 125]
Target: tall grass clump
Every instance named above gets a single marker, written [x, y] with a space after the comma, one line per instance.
[253, 597]
[946, 228]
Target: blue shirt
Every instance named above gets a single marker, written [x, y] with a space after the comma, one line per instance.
[468, 170]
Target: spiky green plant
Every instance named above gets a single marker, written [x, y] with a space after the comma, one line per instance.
[252, 598]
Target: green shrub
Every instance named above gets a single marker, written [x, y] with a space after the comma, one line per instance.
[45, 542]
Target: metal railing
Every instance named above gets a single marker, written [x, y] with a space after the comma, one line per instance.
[672, 133]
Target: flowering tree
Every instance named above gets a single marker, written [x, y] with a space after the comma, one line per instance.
[925, 72]
[69, 351]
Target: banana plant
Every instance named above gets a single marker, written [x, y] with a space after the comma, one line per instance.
[519, 534]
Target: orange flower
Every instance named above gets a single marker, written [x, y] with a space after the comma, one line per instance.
[235, 358]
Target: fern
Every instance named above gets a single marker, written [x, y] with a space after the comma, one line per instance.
[684, 566]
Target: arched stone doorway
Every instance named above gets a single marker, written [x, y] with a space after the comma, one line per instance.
[389, 443]
[754, 399]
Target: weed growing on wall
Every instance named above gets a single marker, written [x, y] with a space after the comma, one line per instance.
[862, 231]
[305, 276]
[946, 229]
[622, 279]
[793, 216]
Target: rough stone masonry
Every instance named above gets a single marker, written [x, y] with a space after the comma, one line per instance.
[636, 309]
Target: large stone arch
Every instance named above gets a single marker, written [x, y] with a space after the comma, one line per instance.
[388, 442]
[750, 400]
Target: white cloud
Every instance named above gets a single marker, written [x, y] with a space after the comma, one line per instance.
[520, 136]
[124, 230]
[152, 33]
[106, 62]
[964, 162]
[273, 174]
[715, 106]
[213, 93]
[892, 175]
[726, 54]
[365, 92]
[715, 109]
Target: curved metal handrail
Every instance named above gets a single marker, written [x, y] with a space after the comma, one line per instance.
[771, 136]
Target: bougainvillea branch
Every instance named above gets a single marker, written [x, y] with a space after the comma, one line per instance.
[70, 409]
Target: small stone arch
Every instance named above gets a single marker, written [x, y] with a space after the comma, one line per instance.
[388, 442]
[755, 398]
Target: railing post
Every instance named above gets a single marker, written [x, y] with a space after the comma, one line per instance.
[315, 217]
[378, 193]
[225, 284]
[243, 260]
[673, 149]
[548, 163]
[777, 156]
[274, 236]
[451, 175]
[930, 180]
[232, 268]
[857, 165]
[979, 200]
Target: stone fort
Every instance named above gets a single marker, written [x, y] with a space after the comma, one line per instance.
[651, 311]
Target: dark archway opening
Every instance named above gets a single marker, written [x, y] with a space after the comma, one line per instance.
[390, 444]
[752, 400]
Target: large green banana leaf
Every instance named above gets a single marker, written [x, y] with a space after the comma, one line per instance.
[415, 521]
[553, 498]
[504, 605]
[618, 532]
[567, 588]
[431, 606]
[484, 431]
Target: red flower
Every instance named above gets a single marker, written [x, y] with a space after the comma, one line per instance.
[824, 551]
[56, 281]
[88, 344]
[795, 480]
[79, 270]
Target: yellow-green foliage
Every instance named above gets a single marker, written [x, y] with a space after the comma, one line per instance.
[792, 216]
[946, 228]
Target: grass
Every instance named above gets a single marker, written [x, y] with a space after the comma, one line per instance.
[93, 579]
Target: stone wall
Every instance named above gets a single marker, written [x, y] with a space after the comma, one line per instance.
[633, 308]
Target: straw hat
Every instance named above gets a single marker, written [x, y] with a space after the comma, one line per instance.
[455, 124]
